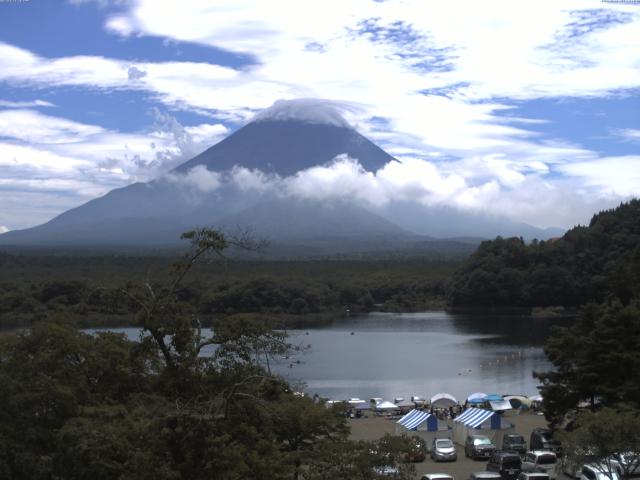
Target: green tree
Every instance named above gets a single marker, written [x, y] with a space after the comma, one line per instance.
[596, 360]
[599, 437]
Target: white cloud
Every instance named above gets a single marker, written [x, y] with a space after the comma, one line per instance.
[32, 126]
[628, 134]
[415, 181]
[207, 132]
[611, 176]
[198, 178]
[308, 110]
[28, 104]
[45, 155]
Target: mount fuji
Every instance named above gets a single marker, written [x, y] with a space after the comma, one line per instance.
[226, 187]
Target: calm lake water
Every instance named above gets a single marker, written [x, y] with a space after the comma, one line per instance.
[390, 355]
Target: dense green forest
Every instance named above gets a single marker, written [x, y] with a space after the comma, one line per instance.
[90, 288]
[588, 264]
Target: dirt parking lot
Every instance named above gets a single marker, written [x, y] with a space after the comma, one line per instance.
[373, 428]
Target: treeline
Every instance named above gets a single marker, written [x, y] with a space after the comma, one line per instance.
[91, 290]
[588, 264]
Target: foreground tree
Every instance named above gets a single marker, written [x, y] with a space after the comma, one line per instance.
[609, 439]
[176, 404]
[596, 360]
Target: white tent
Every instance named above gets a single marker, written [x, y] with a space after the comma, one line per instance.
[386, 406]
[500, 406]
[443, 400]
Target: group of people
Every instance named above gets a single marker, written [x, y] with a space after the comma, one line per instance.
[446, 413]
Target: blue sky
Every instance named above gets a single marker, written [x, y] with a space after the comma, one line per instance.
[527, 110]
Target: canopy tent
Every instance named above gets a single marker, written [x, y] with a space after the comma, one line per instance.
[356, 401]
[476, 398]
[416, 418]
[363, 406]
[405, 406]
[474, 417]
[443, 400]
[500, 406]
[386, 406]
[536, 398]
[421, 424]
[517, 401]
[493, 397]
[479, 420]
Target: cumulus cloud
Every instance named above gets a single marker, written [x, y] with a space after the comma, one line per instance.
[198, 177]
[421, 183]
[43, 156]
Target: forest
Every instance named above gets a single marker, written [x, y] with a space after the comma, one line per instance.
[89, 289]
[588, 264]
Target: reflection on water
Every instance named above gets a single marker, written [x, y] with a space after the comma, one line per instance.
[390, 355]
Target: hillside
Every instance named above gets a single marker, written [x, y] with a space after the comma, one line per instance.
[586, 264]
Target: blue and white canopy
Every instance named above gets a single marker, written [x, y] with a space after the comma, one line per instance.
[474, 417]
[414, 418]
[477, 397]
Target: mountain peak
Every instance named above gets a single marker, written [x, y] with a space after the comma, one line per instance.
[307, 110]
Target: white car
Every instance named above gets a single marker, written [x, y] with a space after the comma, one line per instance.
[541, 461]
[437, 476]
[598, 472]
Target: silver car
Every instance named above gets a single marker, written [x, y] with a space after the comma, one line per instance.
[443, 449]
[541, 461]
[437, 476]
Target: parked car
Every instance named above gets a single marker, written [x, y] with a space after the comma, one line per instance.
[478, 446]
[542, 439]
[443, 449]
[485, 476]
[598, 472]
[541, 461]
[507, 464]
[533, 476]
[514, 442]
[626, 463]
[437, 476]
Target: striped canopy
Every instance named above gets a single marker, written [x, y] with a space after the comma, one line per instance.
[474, 417]
[414, 418]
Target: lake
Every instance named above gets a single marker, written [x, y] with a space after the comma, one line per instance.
[403, 354]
